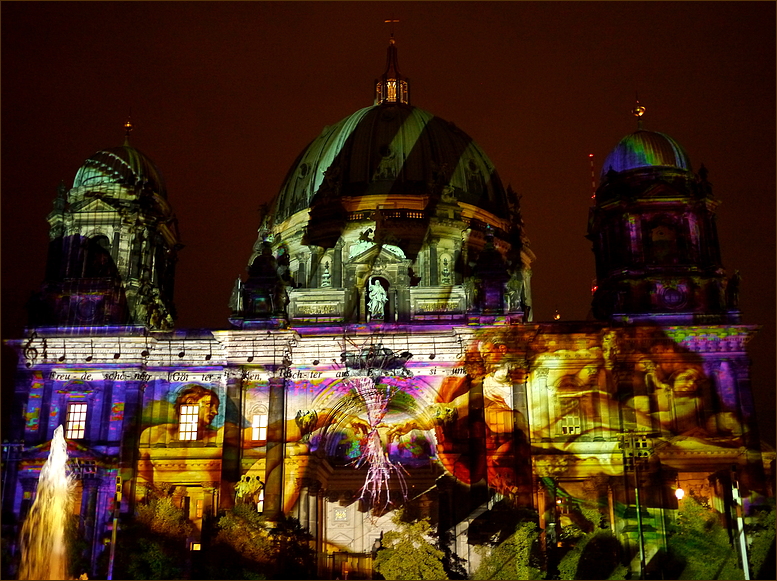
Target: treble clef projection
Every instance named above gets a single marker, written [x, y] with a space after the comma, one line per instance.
[30, 352]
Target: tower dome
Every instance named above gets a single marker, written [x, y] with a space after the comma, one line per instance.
[654, 236]
[646, 149]
[114, 243]
[124, 166]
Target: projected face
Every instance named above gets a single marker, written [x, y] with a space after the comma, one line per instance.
[206, 400]
[685, 383]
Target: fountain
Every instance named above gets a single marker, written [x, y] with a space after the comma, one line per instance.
[43, 532]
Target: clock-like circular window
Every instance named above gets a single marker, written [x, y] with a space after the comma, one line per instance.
[673, 298]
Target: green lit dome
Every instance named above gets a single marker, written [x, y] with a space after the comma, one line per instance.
[123, 165]
[390, 149]
[646, 149]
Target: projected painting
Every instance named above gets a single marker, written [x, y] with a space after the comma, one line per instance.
[514, 404]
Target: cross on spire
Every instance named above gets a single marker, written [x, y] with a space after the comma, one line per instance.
[391, 21]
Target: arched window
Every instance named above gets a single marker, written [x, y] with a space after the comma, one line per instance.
[259, 423]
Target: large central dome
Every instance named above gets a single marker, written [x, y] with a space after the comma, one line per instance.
[393, 216]
[390, 149]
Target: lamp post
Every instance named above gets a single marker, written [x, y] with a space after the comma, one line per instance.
[116, 508]
[11, 455]
[636, 449]
[740, 521]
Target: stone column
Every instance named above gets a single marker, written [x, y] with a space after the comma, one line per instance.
[544, 395]
[209, 499]
[433, 266]
[314, 490]
[301, 276]
[337, 265]
[276, 447]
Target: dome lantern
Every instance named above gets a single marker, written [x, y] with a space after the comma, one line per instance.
[392, 87]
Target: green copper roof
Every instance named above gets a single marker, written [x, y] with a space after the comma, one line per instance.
[123, 165]
[391, 149]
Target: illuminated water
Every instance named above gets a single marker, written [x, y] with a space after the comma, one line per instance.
[43, 532]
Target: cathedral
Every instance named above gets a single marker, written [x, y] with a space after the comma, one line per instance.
[382, 352]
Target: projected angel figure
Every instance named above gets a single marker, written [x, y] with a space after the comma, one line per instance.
[378, 298]
[499, 456]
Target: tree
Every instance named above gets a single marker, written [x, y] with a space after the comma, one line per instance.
[408, 552]
[761, 535]
[153, 544]
[77, 548]
[246, 546]
[513, 558]
[596, 553]
[700, 545]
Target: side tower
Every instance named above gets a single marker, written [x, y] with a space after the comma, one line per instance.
[654, 237]
[112, 246]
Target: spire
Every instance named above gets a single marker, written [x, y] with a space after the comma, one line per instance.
[127, 130]
[638, 112]
[392, 87]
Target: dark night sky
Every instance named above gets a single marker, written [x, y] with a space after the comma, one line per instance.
[224, 96]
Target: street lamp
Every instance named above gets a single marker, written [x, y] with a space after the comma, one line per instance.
[739, 508]
[679, 493]
[636, 449]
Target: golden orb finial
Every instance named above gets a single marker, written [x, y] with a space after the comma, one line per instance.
[128, 126]
[638, 112]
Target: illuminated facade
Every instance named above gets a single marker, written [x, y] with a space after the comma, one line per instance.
[382, 349]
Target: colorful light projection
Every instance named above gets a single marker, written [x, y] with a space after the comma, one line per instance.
[646, 149]
[517, 401]
[379, 467]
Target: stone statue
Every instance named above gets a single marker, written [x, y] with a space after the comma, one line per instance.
[732, 290]
[280, 298]
[326, 277]
[236, 298]
[446, 272]
[473, 292]
[515, 293]
[448, 195]
[378, 298]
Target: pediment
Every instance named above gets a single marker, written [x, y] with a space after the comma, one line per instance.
[662, 190]
[96, 205]
[387, 254]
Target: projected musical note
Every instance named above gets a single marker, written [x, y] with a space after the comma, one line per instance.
[253, 349]
[145, 351]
